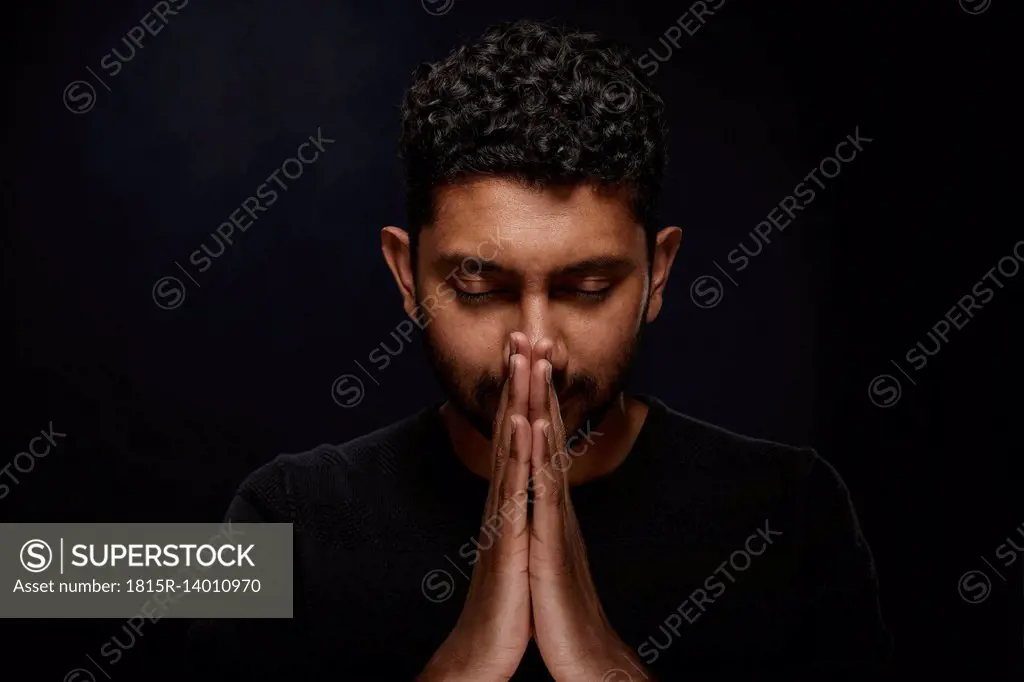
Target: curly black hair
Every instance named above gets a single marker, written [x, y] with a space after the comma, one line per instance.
[542, 104]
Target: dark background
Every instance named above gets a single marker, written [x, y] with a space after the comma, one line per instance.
[167, 410]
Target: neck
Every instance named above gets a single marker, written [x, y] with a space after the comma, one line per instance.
[594, 451]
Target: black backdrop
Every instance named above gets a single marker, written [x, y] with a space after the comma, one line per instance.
[110, 187]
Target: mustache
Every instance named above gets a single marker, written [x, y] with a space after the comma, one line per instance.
[489, 386]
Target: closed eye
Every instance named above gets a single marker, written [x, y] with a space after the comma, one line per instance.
[589, 294]
[586, 295]
[476, 299]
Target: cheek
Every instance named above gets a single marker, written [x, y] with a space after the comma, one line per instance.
[597, 350]
[472, 343]
[598, 338]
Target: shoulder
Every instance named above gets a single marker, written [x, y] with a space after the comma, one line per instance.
[707, 448]
[754, 467]
[806, 507]
[329, 474]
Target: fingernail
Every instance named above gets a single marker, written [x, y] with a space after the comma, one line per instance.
[549, 373]
[513, 428]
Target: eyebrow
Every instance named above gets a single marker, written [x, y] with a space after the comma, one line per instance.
[598, 265]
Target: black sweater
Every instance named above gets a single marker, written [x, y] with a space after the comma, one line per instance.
[714, 555]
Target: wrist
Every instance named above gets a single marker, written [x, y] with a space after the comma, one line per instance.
[454, 662]
[458, 670]
[612, 661]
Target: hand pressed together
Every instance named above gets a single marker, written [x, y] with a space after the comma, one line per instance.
[533, 580]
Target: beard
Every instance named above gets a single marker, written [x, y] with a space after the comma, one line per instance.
[582, 398]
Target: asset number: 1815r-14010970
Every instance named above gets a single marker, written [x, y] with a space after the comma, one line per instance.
[205, 585]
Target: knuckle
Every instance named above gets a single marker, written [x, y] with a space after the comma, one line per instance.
[498, 471]
[515, 453]
[548, 493]
[506, 497]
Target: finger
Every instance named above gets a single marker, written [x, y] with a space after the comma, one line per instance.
[513, 498]
[544, 398]
[547, 349]
[539, 377]
[514, 400]
[544, 402]
[544, 349]
[555, 414]
[501, 431]
[519, 368]
[547, 526]
[515, 387]
[498, 424]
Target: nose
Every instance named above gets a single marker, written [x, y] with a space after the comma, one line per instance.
[540, 324]
[535, 318]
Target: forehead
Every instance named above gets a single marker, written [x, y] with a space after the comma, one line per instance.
[532, 225]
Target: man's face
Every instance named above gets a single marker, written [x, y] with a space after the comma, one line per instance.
[569, 264]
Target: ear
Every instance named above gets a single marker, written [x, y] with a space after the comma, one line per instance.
[394, 244]
[665, 248]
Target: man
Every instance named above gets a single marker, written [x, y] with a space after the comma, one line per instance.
[540, 523]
